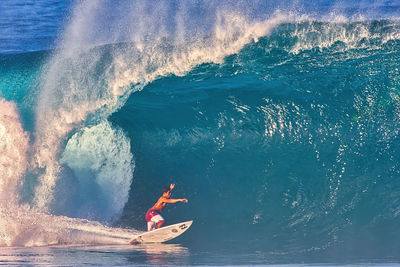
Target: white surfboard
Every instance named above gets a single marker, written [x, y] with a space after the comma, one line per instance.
[162, 234]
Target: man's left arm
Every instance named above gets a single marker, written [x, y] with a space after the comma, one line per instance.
[171, 187]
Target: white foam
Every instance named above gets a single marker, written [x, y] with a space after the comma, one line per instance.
[25, 227]
[102, 153]
[14, 144]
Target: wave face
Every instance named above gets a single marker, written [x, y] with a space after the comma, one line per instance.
[281, 129]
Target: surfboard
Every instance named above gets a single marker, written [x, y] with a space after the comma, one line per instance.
[162, 234]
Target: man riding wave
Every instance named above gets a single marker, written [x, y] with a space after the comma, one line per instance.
[153, 217]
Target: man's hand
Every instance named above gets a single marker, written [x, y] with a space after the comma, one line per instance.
[171, 187]
[184, 200]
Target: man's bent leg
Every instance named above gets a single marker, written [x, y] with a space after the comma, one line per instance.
[158, 220]
[160, 224]
[151, 226]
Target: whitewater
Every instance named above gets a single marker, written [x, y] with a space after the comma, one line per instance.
[278, 121]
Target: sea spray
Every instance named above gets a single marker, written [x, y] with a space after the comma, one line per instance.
[22, 226]
[13, 152]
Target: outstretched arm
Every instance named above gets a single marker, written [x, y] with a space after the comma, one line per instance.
[172, 200]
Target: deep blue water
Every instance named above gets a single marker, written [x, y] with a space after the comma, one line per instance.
[278, 121]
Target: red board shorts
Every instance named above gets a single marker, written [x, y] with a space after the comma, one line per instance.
[152, 218]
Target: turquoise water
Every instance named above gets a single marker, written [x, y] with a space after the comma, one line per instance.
[158, 254]
[278, 122]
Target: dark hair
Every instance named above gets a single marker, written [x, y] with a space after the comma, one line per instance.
[165, 189]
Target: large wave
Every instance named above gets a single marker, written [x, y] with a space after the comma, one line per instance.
[83, 83]
[82, 165]
[85, 80]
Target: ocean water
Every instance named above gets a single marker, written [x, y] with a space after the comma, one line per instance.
[279, 122]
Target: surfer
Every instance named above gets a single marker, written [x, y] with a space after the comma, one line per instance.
[153, 217]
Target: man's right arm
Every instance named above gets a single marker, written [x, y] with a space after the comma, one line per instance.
[169, 200]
